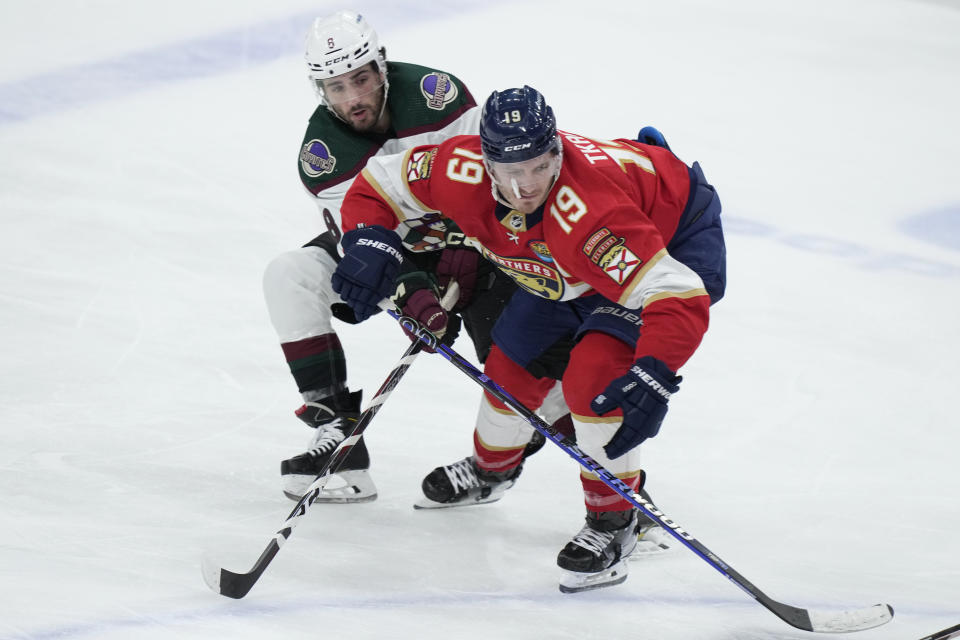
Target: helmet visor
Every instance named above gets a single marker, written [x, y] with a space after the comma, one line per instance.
[356, 85]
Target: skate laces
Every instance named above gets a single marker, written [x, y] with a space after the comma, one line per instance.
[462, 475]
[326, 439]
[593, 540]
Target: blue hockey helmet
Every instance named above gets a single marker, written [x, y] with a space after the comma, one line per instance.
[517, 125]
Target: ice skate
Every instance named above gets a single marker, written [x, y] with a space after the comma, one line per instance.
[461, 484]
[596, 556]
[332, 421]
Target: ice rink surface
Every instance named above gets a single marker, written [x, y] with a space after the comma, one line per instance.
[147, 175]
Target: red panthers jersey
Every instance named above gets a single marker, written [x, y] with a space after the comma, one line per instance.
[603, 228]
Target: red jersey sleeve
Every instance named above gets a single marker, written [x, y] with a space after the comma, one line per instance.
[366, 205]
[616, 249]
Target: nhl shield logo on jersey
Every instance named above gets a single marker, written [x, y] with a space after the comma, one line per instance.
[316, 159]
[438, 89]
[419, 165]
[619, 263]
[516, 221]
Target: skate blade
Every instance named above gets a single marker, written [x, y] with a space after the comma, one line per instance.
[427, 503]
[574, 582]
[346, 487]
[473, 497]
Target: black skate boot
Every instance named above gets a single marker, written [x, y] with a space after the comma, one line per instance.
[596, 556]
[462, 483]
[332, 419]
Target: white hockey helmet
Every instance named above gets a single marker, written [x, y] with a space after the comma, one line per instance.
[341, 43]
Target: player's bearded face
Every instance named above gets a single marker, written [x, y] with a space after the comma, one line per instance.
[357, 97]
[525, 185]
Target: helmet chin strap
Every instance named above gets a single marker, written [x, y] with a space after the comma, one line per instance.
[386, 89]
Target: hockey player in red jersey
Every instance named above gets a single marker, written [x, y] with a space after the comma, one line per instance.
[619, 251]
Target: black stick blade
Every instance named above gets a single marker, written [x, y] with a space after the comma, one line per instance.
[236, 585]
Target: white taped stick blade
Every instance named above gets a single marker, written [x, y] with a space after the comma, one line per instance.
[211, 573]
[852, 620]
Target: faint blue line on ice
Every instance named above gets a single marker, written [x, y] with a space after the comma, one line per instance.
[136, 71]
[264, 42]
[250, 610]
[940, 226]
[118, 77]
[861, 255]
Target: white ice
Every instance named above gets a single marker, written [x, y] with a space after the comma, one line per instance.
[147, 175]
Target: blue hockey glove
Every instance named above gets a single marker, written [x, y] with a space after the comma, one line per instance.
[371, 260]
[652, 136]
[642, 393]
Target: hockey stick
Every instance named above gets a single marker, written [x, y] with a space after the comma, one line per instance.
[806, 619]
[237, 585]
[945, 634]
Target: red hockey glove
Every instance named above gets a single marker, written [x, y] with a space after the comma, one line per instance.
[458, 264]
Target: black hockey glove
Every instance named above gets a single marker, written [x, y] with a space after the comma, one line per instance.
[642, 393]
[372, 257]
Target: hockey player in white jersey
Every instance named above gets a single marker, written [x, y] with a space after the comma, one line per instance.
[368, 107]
